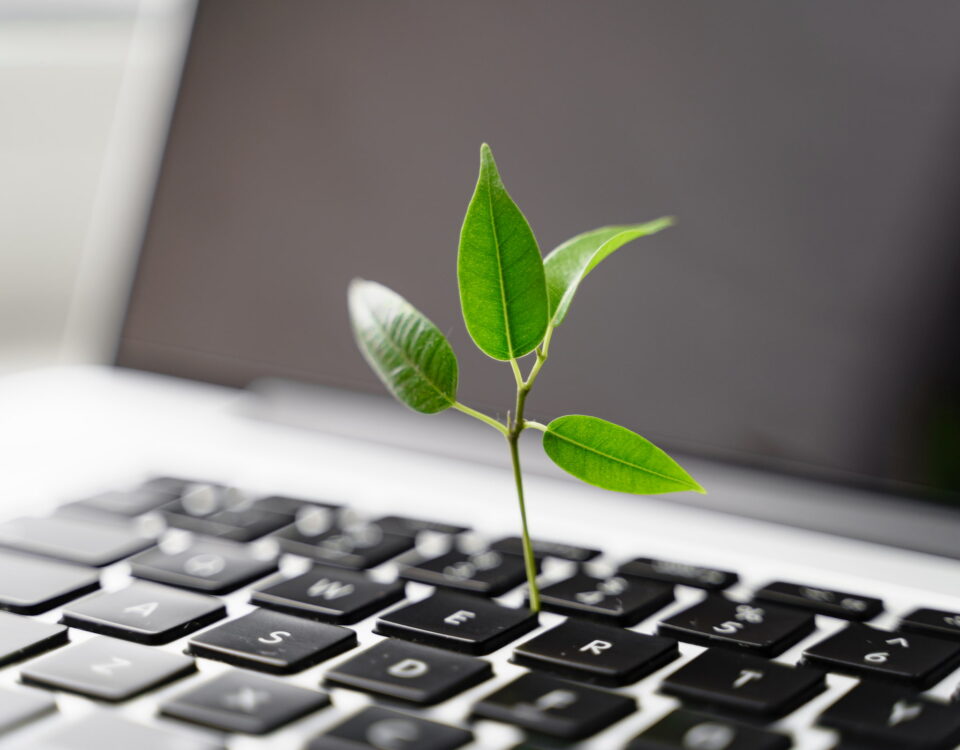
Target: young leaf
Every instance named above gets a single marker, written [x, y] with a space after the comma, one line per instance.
[613, 457]
[502, 288]
[568, 264]
[406, 350]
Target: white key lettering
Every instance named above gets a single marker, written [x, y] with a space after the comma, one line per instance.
[746, 613]
[459, 617]
[144, 610]
[728, 628]
[276, 636]
[555, 700]
[597, 647]
[246, 699]
[903, 711]
[392, 734]
[746, 675]
[408, 668]
[898, 642]
[115, 663]
[205, 565]
[329, 590]
[709, 736]
[590, 597]
[461, 571]
[878, 657]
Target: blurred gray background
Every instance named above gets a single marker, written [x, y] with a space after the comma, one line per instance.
[801, 316]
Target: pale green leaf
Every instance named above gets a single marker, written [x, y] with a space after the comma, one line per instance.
[502, 288]
[613, 457]
[407, 351]
[568, 264]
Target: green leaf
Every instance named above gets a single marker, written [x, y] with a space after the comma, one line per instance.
[568, 264]
[502, 288]
[406, 350]
[613, 457]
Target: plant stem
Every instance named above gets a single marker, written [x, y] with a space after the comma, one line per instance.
[529, 560]
[515, 426]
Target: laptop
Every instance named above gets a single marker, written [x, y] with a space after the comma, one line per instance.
[228, 536]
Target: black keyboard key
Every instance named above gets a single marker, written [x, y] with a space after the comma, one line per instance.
[868, 652]
[329, 594]
[618, 599]
[596, 653]
[228, 513]
[376, 728]
[356, 547]
[21, 637]
[710, 579]
[106, 668]
[272, 642]
[821, 601]
[413, 526]
[18, 707]
[241, 525]
[546, 705]
[744, 683]
[293, 506]
[211, 567]
[935, 622]
[716, 621]
[127, 503]
[487, 572]
[886, 716]
[238, 701]
[76, 540]
[689, 730]
[41, 584]
[410, 672]
[514, 545]
[171, 485]
[144, 612]
[459, 622]
[105, 729]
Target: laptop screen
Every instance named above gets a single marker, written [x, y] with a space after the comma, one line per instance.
[801, 316]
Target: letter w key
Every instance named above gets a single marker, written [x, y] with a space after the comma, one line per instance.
[328, 589]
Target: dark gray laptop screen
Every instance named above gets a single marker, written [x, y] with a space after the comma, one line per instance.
[802, 315]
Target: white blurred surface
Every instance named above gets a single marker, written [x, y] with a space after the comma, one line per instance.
[85, 91]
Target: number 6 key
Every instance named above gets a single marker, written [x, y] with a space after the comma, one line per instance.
[894, 657]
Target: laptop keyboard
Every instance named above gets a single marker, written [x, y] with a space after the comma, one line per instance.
[225, 617]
